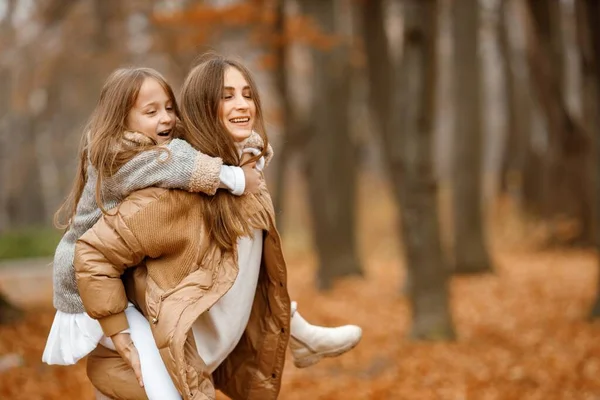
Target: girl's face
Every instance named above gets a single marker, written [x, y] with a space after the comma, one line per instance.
[237, 110]
[153, 113]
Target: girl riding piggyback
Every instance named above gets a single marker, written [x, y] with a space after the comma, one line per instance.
[130, 143]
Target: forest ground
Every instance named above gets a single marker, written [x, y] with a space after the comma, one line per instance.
[522, 332]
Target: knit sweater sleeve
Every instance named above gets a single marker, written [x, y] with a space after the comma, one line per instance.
[177, 166]
[255, 141]
[103, 254]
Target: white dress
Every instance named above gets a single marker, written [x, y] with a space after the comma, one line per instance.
[72, 337]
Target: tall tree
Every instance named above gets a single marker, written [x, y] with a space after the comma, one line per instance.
[294, 130]
[415, 96]
[470, 247]
[519, 115]
[330, 152]
[402, 103]
[8, 312]
[566, 177]
[588, 32]
[33, 64]
[6, 40]
[281, 83]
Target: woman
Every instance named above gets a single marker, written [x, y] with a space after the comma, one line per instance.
[216, 290]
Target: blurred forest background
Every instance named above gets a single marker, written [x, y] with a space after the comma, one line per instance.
[436, 178]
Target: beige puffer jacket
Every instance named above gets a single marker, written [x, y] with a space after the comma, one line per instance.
[164, 228]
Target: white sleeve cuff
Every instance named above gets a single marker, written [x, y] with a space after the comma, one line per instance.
[233, 178]
[260, 164]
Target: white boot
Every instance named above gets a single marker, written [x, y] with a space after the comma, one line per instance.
[310, 343]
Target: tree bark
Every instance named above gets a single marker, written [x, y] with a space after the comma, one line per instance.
[414, 100]
[518, 119]
[295, 131]
[470, 247]
[281, 84]
[6, 40]
[566, 180]
[556, 33]
[8, 312]
[402, 104]
[588, 35]
[330, 155]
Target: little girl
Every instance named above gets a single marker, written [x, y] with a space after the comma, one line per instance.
[130, 144]
[117, 158]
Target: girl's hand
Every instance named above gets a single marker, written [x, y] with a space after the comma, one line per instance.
[252, 177]
[129, 353]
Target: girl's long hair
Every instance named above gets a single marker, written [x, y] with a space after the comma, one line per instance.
[103, 143]
[226, 217]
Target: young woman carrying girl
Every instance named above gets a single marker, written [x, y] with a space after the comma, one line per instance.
[122, 152]
[216, 291]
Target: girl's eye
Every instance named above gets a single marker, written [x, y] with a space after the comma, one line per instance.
[152, 112]
[227, 96]
[170, 108]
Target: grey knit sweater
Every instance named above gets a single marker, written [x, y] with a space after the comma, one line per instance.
[185, 168]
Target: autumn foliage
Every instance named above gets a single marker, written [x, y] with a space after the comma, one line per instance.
[522, 333]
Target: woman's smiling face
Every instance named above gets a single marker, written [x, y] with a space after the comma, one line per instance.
[237, 110]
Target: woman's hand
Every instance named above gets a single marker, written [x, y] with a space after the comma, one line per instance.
[127, 350]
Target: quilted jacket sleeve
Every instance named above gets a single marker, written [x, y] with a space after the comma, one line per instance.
[102, 255]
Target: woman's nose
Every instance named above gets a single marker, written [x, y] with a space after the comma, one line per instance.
[241, 103]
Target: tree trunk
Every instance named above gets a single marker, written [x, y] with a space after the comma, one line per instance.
[402, 105]
[6, 40]
[518, 112]
[414, 102]
[470, 247]
[566, 180]
[25, 202]
[556, 33]
[8, 312]
[280, 47]
[294, 130]
[588, 33]
[586, 14]
[330, 155]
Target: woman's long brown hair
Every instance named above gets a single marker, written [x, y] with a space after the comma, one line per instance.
[226, 217]
[103, 143]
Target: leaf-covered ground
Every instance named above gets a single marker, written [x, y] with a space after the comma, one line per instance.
[522, 335]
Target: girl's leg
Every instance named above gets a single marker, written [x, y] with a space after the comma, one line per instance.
[310, 343]
[157, 382]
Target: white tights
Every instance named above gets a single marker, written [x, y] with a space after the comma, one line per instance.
[157, 382]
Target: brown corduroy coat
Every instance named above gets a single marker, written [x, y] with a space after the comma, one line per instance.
[164, 229]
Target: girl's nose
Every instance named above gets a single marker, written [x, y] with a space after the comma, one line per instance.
[166, 117]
